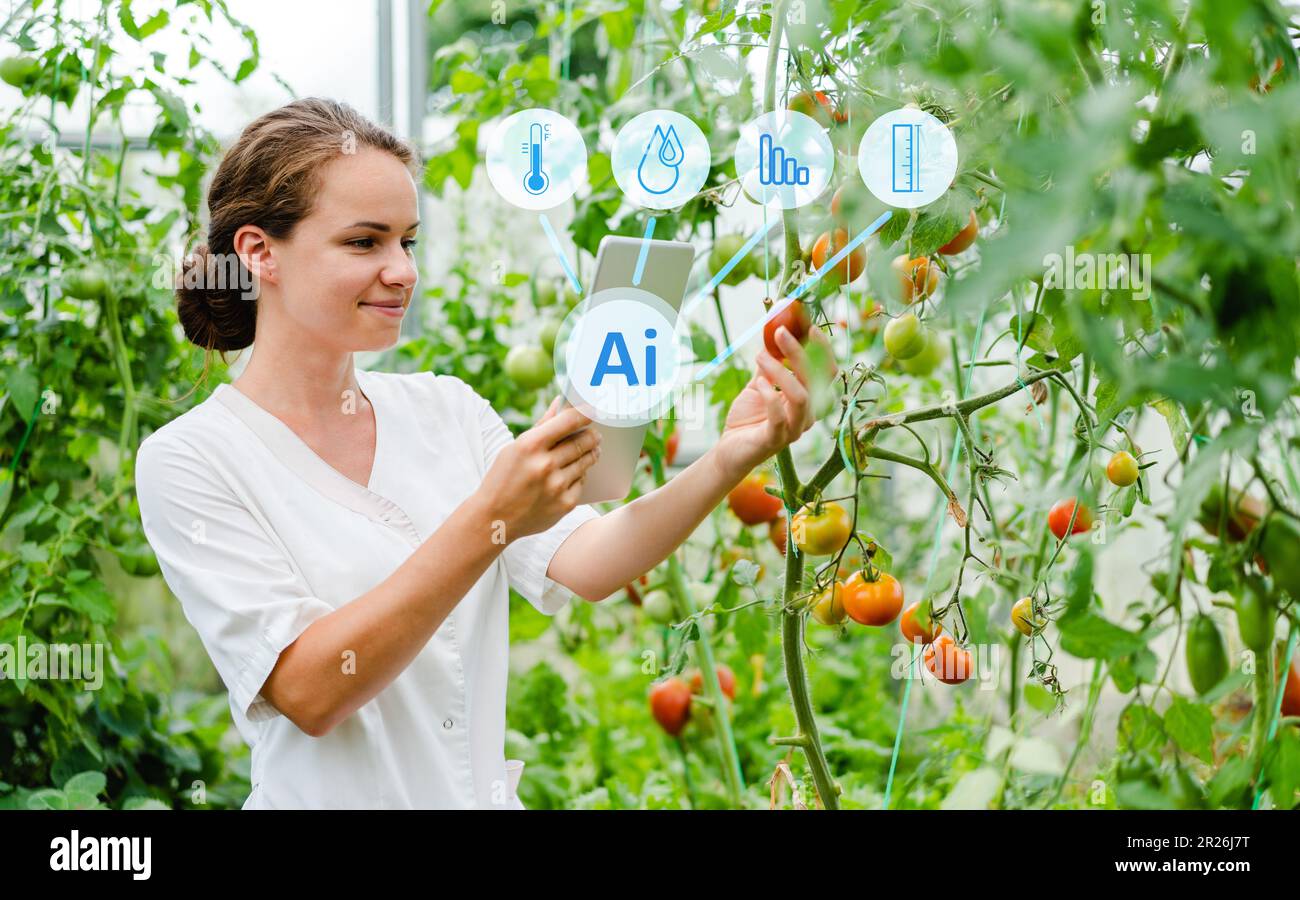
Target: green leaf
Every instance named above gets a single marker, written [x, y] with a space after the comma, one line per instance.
[1282, 764]
[1191, 725]
[92, 783]
[1089, 636]
[24, 390]
[467, 81]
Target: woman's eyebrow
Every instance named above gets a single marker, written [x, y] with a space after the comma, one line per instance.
[380, 226]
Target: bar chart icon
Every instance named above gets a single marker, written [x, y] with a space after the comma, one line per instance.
[776, 168]
[905, 157]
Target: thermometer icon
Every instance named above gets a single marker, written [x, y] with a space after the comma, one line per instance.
[536, 181]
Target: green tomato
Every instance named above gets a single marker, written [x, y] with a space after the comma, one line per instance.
[138, 560]
[658, 606]
[1207, 660]
[550, 331]
[1280, 546]
[19, 71]
[724, 248]
[529, 366]
[928, 359]
[86, 283]
[906, 337]
[545, 293]
[1255, 620]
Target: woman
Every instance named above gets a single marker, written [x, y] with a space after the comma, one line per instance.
[343, 541]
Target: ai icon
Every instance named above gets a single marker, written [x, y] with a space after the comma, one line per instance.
[614, 344]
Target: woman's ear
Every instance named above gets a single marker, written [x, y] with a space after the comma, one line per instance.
[253, 247]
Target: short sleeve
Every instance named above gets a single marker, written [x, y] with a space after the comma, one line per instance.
[234, 581]
[528, 558]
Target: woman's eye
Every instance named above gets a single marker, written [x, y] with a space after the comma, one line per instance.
[409, 243]
[364, 243]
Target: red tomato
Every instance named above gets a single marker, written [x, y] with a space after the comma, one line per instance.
[776, 531]
[670, 704]
[1291, 694]
[670, 446]
[726, 680]
[912, 629]
[873, 602]
[1058, 518]
[795, 318]
[751, 504]
[948, 662]
[814, 104]
[962, 239]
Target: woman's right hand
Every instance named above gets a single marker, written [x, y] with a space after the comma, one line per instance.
[537, 479]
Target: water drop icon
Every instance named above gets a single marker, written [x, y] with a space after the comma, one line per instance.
[661, 161]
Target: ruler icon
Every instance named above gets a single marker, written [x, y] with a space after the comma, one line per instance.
[905, 156]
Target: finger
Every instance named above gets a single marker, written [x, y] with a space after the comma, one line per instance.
[775, 408]
[576, 470]
[794, 352]
[558, 427]
[573, 446]
[782, 377]
[550, 411]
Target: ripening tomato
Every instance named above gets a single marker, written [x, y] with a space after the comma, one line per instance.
[1022, 616]
[873, 602]
[726, 680]
[918, 278]
[1058, 518]
[962, 239]
[776, 532]
[823, 532]
[850, 202]
[670, 704]
[1243, 516]
[751, 503]
[1291, 693]
[828, 606]
[814, 104]
[847, 269]
[1122, 470]
[796, 320]
[948, 662]
[912, 630]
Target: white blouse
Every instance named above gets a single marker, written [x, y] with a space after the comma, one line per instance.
[258, 537]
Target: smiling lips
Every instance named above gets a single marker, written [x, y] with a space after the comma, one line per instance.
[391, 308]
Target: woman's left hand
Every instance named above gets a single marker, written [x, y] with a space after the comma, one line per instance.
[762, 421]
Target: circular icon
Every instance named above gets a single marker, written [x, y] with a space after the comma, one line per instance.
[661, 159]
[784, 158]
[620, 355]
[907, 158]
[536, 159]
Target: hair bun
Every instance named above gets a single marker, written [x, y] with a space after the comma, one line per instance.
[210, 302]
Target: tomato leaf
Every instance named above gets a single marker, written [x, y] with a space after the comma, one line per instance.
[1191, 725]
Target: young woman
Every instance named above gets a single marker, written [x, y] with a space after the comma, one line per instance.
[342, 540]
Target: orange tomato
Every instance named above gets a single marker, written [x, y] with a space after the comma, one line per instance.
[948, 662]
[796, 320]
[918, 278]
[1291, 694]
[822, 533]
[726, 680]
[814, 104]
[912, 630]
[962, 239]
[751, 504]
[873, 602]
[846, 270]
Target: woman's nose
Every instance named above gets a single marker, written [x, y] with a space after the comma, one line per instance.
[399, 269]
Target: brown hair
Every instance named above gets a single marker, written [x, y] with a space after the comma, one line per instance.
[269, 178]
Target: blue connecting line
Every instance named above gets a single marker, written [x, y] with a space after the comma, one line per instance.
[726, 270]
[559, 254]
[794, 295]
[844, 251]
[645, 251]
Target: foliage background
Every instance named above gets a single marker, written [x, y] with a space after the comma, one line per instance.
[1127, 133]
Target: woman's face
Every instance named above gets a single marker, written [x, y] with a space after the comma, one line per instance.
[345, 276]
